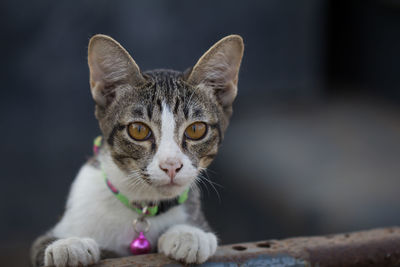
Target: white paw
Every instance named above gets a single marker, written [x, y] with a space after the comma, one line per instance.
[188, 244]
[73, 251]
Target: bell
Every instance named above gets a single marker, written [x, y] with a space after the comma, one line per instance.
[140, 245]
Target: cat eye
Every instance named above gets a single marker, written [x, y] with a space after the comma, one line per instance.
[196, 130]
[139, 131]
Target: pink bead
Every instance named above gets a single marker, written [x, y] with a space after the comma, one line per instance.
[140, 245]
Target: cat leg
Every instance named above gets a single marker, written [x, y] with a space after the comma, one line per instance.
[187, 243]
[72, 251]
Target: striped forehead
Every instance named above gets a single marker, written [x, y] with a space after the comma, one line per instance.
[166, 85]
[168, 90]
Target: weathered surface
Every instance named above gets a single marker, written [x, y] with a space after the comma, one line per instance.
[379, 247]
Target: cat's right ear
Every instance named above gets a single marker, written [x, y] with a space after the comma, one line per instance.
[110, 64]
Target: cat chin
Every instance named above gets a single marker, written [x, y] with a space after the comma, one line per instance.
[170, 190]
[168, 194]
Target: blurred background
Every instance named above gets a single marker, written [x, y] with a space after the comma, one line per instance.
[314, 142]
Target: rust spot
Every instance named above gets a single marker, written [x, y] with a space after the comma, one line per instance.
[239, 248]
[265, 244]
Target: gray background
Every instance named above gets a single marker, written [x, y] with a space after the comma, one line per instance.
[313, 146]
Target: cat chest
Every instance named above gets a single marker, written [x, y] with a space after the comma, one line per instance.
[117, 233]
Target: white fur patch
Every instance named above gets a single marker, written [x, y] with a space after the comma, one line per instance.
[72, 251]
[169, 149]
[187, 243]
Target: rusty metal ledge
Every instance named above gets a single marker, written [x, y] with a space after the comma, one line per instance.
[378, 247]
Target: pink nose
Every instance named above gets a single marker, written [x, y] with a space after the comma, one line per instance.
[171, 167]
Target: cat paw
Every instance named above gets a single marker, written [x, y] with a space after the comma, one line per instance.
[73, 251]
[188, 244]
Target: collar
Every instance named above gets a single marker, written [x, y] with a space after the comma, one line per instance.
[143, 208]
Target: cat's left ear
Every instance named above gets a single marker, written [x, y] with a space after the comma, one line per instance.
[110, 65]
[218, 69]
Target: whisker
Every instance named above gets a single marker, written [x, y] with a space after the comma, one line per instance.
[213, 187]
[205, 171]
[212, 184]
[198, 179]
[195, 187]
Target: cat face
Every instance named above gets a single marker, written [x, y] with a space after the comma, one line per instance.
[163, 127]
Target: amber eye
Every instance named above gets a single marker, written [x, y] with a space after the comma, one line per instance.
[139, 131]
[196, 130]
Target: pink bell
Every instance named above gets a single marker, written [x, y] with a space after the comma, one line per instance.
[140, 245]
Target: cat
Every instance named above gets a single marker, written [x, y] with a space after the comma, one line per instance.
[160, 130]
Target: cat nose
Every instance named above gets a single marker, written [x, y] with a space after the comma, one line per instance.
[171, 167]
